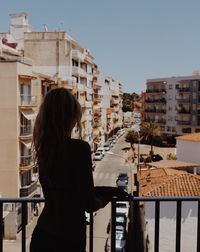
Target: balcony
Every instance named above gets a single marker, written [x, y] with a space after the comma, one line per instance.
[25, 191]
[156, 111]
[163, 90]
[136, 230]
[181, 122]
[28, 100]
[184, 89]
[26, 162]
[25, 131]
[162, 100]
[183, 100]
[78, 71]
[76, 54]
[184, 111]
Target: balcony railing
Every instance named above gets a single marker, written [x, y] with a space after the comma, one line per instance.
[26, 160]
[28, 100]
[135, 204]
[26, 130]
[25, 191]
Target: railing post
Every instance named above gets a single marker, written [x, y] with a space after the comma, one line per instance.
[24, 222]
[91, 232]
[113, 224]
[1, 227]
[178, 226]
[157, 225]
[198, 227]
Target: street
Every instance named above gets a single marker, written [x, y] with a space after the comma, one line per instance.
[105, 174]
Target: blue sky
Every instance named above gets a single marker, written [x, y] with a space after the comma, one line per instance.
[131, 40]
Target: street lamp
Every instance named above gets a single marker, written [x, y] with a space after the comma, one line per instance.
[130, 168]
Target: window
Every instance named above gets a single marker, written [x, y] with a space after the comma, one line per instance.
[170, 86]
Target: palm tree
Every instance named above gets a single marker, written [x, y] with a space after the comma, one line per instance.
[149, 130]
[131, 137]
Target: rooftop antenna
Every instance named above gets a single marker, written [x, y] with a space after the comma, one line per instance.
[45, 28]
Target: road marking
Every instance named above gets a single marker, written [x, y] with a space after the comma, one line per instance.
[105, 175]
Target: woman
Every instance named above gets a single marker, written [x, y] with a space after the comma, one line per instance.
[65, 173]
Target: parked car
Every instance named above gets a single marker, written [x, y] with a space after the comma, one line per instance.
[102, 149]
[107, 146]
[153, 158]
[122, 207]
[156, 157]
[122, 184]
[120, 240]
[121, 219]
[97, 156]
[123, 176]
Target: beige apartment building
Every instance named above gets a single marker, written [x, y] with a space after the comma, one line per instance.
[58, 55]
[17, 111]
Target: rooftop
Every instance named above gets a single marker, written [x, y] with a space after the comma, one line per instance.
[194, 137]
[176, 164]
[169, 182]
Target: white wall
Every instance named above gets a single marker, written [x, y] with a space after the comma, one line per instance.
[167, 234]
[188, 151]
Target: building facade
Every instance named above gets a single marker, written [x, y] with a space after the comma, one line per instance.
[174, 103]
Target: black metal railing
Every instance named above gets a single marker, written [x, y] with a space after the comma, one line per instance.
[137, 202]
[134, 203]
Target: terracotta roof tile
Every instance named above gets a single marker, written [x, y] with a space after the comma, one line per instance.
[179, 183]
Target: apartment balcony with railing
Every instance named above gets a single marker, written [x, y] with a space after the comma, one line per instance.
[28, 100]
[76, 54]
[156, 100]
[26, 161]
[138, 238]
[183, 122]
[184, 89]
[156, 111]
[27, 190]
[26, 130]
[156, 90]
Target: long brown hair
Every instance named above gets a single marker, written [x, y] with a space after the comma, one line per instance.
[59, 112]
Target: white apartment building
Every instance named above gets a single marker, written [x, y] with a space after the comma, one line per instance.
[58, 55]
[111, 105]
[174, 103]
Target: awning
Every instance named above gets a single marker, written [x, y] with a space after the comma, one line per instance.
[27, 144]
[28, 114]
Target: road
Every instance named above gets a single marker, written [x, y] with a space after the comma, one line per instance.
[105, 174]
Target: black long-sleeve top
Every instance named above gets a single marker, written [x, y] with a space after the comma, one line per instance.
[69, 194]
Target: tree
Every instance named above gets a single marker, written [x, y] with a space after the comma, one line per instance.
[130, 101]
[149, 130]
[131, 137]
